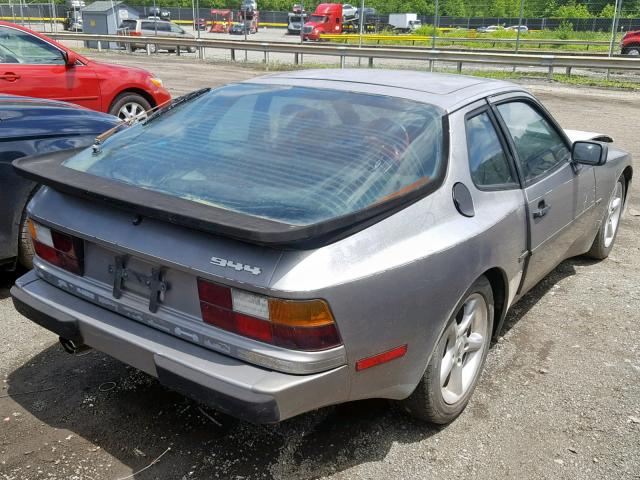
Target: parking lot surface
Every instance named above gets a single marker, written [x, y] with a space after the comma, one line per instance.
[559, 398]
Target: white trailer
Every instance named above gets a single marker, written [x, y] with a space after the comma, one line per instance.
[405, 22]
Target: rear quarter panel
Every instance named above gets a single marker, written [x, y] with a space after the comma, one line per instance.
[399, 281]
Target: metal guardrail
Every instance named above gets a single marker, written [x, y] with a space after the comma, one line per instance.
[494, 41]
[549, 62]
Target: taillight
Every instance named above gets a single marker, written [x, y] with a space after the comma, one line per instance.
[57, 248]
[294, 324]
[135, 34]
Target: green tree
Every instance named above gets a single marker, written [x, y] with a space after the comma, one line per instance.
[572, 10]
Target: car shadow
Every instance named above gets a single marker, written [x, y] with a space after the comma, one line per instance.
[126, 412]
[129, 415]
[7, 279]
[529, 300]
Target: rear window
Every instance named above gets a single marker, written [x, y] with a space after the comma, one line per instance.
[128, 24]
[295, 155]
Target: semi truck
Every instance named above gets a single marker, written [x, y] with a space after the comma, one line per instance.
[73, 15]
[327, 18]
[295, 22]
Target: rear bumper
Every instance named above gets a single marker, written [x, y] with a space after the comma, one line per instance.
[245, 391]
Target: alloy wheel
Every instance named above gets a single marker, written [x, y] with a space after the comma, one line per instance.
[132, 111]
[465, 339]
[613, 215]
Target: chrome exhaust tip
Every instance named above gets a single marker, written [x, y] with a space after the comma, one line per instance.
[72, 347]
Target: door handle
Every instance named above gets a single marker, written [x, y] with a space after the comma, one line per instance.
[9, 77]
[542, 210]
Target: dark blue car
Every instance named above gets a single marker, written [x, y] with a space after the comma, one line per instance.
[29, 126]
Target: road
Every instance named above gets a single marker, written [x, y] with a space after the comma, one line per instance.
[560, 396]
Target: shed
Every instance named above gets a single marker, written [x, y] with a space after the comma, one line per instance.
[104, 18]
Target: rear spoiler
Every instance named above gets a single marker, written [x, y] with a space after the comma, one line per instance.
[48, 169]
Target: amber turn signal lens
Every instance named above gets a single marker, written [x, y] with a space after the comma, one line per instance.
[312, 313]
[32, 229]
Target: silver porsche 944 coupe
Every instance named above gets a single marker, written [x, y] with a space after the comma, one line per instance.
[310, 238]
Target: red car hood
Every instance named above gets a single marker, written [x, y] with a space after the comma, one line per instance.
[111, 69]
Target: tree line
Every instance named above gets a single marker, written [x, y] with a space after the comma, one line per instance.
[454, 8]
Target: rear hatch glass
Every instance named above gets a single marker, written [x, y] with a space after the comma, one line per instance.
[295, 155]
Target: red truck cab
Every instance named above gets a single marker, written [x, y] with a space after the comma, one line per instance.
[630, 44]
[327, 18]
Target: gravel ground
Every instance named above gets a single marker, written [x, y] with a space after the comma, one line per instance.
[560, 396]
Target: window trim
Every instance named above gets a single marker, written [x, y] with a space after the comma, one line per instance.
[503, 144]
[42, 40]
[545, 115]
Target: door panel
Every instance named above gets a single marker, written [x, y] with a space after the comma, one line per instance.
[76, 84]
[29, 66]
[558, 194]
[555, 204]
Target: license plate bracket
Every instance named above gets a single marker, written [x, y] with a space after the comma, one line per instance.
[155, 282]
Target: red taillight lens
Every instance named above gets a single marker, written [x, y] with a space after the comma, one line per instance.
[135, 34]
[300, 325]
[57, 248]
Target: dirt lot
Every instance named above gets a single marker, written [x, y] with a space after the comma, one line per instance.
[560, 396]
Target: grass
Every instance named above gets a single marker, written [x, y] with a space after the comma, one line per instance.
[488, 39]
[578, 80]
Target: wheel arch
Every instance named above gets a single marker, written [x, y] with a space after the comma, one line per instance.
[500, 286]
[627, 173]
[139, 91]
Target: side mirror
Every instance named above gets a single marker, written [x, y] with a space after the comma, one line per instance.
[70, 58]
[589, 153]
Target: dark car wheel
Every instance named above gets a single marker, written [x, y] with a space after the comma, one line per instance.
[129, 106]
[25, 247]
[457, 360]
[608, 231]
[635, 51]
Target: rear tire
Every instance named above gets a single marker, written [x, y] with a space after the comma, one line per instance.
[457, 360]
[609, 226]
[634, 51]
[25, 246]
[128, 104]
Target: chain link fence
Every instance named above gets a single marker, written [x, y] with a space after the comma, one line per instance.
[31, 13]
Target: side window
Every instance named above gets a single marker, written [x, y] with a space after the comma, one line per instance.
[175, 29]
[21, 47]
[539, 146]
[487, 161]
[164, 27]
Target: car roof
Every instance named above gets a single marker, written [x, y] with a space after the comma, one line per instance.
[446, 91]
[36, 102]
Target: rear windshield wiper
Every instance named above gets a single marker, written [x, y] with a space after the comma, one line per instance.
[100, 139]
[178, 101]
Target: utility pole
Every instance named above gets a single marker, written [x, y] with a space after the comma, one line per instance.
[614, 25]
[436, 22]
[614, 29]
[519, 25]
[197, 18]
[361, 27]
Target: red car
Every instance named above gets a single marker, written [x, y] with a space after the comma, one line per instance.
[36, 66]
[630, 44]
